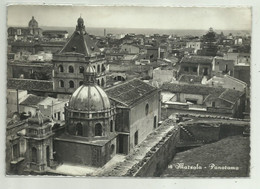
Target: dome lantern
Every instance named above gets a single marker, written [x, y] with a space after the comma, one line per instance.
[89, 75]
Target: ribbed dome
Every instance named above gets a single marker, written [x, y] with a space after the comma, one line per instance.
[89, 98]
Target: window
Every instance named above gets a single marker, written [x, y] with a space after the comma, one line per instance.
[111, 126]
[71, 69]
[98, 68]
[79, 129]
[136, 138]
[15, 151]
[213, 104]
[98, 129]
[61, 69]
[186, 69]
[146, 109]
[71, 84]
[81, 69]
[103, 68]
[61, 83]
[102, 82]
[80, 83]
[194, 69]
[205, 71]
[98, 82]
[34, 155]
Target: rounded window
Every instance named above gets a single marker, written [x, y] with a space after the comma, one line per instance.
[146, 109]
[61, 83]
[61, 69]
[71, 69]
[98, 129]
[81, 69]
[71, 84]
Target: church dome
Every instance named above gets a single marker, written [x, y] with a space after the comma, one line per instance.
[89, 96]
[33, 23]
[80, 21]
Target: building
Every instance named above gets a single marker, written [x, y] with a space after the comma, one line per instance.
[50, 107]
[138, 112]
[55, 34]
[223, 66]
[69, 64]
[153, 53]
[163, 75]
[204, 100]
[23, 32]
[130, 48]
[196, 45]
[196, 65]
[90, 137]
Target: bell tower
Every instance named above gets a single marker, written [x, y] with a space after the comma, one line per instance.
[39, 138]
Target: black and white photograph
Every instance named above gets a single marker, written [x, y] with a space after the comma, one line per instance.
[128, 91]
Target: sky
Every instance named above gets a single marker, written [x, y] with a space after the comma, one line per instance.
[132, 17]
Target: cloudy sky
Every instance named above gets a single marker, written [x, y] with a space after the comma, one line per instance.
[133, 17]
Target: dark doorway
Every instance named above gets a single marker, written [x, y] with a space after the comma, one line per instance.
[121, 144]
[154, 122]
[136, 138]
[58, 115]
[34, 155]
[48, 156]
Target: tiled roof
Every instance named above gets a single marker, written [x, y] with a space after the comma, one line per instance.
[30, 84]
[32, 100]
[80, 43]
[191, 89]
[231, 95]
[130, 92]
[197, 59]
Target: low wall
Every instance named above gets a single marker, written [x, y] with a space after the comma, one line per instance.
[158, 157]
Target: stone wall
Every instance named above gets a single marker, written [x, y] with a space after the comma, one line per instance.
[158, 157]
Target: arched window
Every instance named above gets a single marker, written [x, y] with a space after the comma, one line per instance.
[98, 82]
[61, 69]
[81, 69]
[71, 69]
[94, 68]
[98, 69]
[80, 83]
[102, 82]
[103, 68]
[71, 84]
[61, 83]
[98, 129]
[34, 155]
[111, 126]
[79, 129]
[146, 109]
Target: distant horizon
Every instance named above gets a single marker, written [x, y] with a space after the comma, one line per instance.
[137, 28]
[182, 18]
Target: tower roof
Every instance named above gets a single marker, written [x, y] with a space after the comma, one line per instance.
[80, 42]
